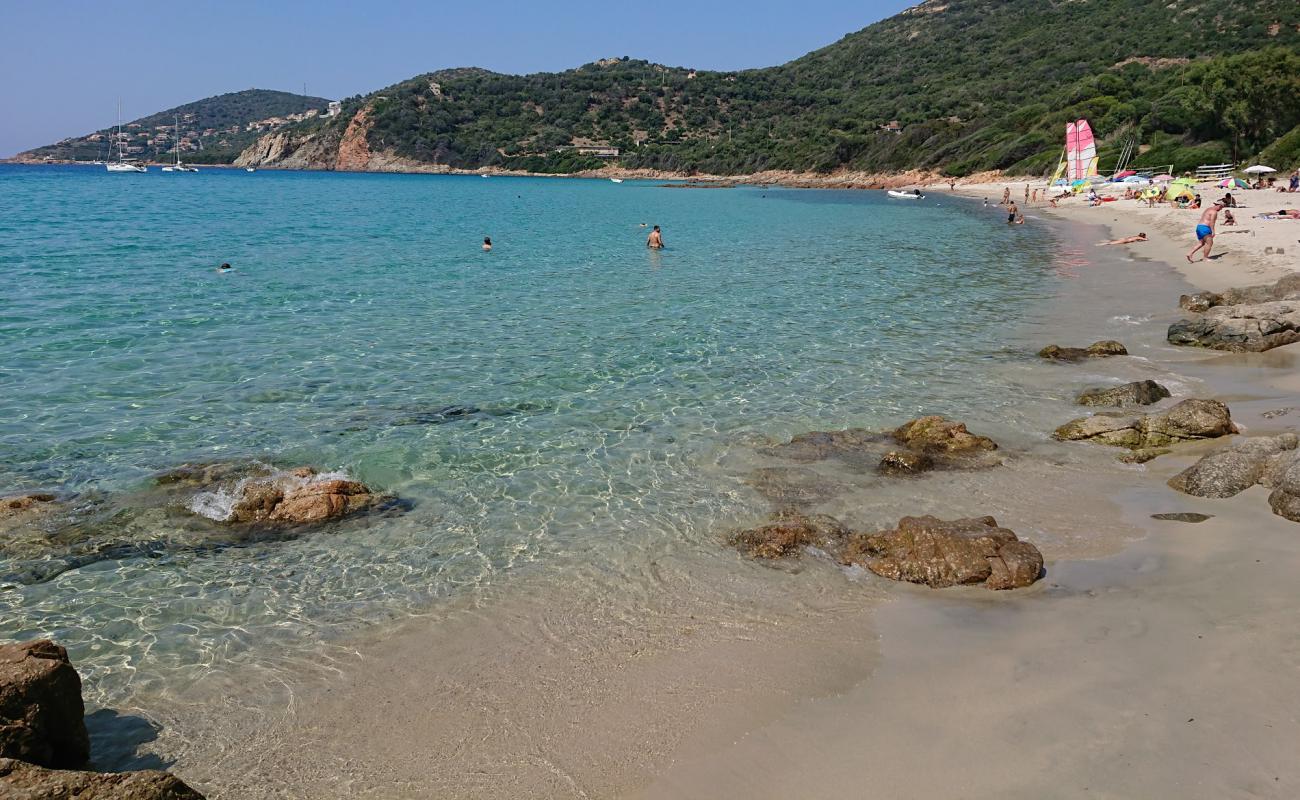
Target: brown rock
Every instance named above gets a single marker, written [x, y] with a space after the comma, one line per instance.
[943, 553]
[1100, 349]
[937, 434]
[15, 505]
[1185, 421]
[787, 534]
[22, 781]
[40, 706]
[1144, 454]
[1137, 393]
[906, 462]
[298, 497]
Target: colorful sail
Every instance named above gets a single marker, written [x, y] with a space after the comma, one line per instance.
[1080, 150]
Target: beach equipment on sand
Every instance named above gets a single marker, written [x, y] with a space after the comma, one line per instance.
[1124, 174]
[1232, 183]
[1080, 150]
[1177, 190]
[1259, 169]
[1134, 179]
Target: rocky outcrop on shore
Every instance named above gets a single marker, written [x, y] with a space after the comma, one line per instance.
[1185, 421]
[939, 553]
[1244, 319]
[1269, 461]
[1102, 349]
[43, 737]
[1137, 393]
[787, 534]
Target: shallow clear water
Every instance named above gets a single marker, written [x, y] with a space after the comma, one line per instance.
[608, 384]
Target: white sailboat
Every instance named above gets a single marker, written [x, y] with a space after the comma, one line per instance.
[178, 166]
[121, 164]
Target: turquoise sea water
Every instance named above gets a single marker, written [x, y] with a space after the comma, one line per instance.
[597, 388]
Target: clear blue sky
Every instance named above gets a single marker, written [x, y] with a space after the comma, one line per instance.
[64, 64]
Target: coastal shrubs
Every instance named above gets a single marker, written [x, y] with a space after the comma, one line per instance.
[43, 737]
[939, 553]
[1188, 420]
[1102, 349]
[1137, 393]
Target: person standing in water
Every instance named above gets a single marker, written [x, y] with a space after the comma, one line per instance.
[487, 244]
[655, 241]
[1012, 211]
[1205, 231]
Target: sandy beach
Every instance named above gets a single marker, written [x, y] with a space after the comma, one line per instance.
[1155, 659]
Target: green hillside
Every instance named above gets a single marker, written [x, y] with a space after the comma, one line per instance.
[215, 128]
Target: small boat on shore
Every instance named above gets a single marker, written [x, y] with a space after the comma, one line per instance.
[915, 194]
[616, 180]
[250, 169]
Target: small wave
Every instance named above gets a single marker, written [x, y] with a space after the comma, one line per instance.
[1129, 319]
[219, 504]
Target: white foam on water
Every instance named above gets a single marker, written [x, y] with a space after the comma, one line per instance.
[219, 504]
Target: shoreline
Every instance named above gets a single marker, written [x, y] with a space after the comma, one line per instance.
[649, 699]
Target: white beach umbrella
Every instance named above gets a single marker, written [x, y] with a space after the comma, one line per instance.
[1259, 169]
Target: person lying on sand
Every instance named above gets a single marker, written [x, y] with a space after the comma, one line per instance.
[1141, 237]
[1286, 213]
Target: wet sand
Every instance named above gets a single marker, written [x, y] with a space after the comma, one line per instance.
[1155, 659]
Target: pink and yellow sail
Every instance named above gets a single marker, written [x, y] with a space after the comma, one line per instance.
[1080, 151]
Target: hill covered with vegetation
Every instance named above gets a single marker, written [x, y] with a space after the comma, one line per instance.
[213, 130]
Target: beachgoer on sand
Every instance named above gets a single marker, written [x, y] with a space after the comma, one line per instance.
[1228, 219]
[1006, 196]
[1205, 231]
[655, 241]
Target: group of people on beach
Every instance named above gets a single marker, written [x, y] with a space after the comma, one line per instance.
[655, 241]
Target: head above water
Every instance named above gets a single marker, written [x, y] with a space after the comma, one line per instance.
[225, 266]
[656, 227]
[487, 240]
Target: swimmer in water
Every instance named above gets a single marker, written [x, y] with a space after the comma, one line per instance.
[487, 244]
[656, 240]
[223, 268]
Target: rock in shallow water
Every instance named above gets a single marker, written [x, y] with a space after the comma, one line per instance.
[1137, 393]
[1183, 516]
[935, 434]
[1188, 420]
[1102, 349]
[941, 553]
[41, 713]
[787, 534]
[1271, 461]
[300, 496]
[21, 781]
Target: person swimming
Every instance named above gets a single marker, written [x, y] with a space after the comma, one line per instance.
[487, 244]
[225, 267]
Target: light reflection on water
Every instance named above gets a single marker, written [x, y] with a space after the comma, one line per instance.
[611, 396]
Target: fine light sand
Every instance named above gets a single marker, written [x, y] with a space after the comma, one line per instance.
[1156, 659]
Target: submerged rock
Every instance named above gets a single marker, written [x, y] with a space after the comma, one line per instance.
[1137, 393]
[787, 534]
[1183, 516]
[1144, 454]
[796, 487]
[821, 445]
[1241, 328]
[942, 553]
[21, 511]
[1102, 349]
[41, 713]
[1190, 419]
[22, 781]
[906, 462]
[935, 434]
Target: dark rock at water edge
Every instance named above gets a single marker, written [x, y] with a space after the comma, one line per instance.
[1102, 349]
[1137, 393]
[1183, 516]
[941, 553]
[41, 713]
[906, 462]
[1228, 472]
[931, 442]
[1251, 329]
[1285, 288]
[935, 434]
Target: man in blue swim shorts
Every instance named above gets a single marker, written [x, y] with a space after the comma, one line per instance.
[1205, 230]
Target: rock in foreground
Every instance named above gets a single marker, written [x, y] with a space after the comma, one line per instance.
[1102, 349]
[22, 781]
[1137, 393]
[1270, 461]
[1191, 419]
[41, 713]
[943, 553]
[1285, 288]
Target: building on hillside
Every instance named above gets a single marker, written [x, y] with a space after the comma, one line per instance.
[597, 150]
[335, 108]
[892, 127]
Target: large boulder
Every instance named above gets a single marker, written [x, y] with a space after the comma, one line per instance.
[1285, 288]
[1102, 349]
[40, 706]
[787, 534]
[1241, 328]
[935, 434]
[1226, 473]
[1188, 420]
[1285, 497]
[300, 496]
[943, 553]
[22, 781]
[1137, 393]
